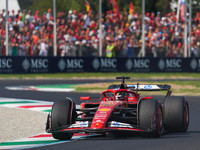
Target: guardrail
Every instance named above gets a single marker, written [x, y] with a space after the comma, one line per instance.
[24, 65]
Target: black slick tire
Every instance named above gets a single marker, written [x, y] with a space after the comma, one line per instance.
[176, 114]
[62, 115]
[150, 117]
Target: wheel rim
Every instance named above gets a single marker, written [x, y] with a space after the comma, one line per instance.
[186, 120]
[160, 121]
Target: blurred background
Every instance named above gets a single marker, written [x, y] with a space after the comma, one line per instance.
[130, 28]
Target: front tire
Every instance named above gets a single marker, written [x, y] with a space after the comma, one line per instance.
[62, 114]
[176, 114]
[151, 117]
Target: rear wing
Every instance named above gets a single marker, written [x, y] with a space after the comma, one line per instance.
[148, 87]
[153, 87]
[141, 87]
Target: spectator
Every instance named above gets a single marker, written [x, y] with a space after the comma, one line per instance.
[35, 38]
[16, 25]
[65, 48]
[29, 16]
[12, 15]
[150, 49]
[50, 49]
[18, 14]
[160, 49]
[110, 51]
[83, 48]
[3, 52]
[69, 16]
[95, 46]
[1, 18]
[43, 48]
[36, 16]
[73, 50]
[22, 49]
[20, 23]
[74, 16]
[48, 15]
[35, 50]
[130, 48]
[10, 24]
[3, 13]
[118, 47]
[77, 48]
[23, 16]
[91, 50]
[164, 34]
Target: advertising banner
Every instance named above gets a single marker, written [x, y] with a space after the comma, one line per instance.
[28, 65]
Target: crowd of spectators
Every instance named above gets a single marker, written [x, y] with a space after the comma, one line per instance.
[78, 34]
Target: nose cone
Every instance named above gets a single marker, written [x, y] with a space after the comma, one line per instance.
[103, 113]
[101, 117]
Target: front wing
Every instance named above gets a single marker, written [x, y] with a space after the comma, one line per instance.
[83, 126]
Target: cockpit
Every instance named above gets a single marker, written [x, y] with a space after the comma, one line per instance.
[117, 96]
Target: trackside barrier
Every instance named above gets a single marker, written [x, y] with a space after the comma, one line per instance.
[27, 65]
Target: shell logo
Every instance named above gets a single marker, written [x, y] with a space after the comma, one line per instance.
[105, 109]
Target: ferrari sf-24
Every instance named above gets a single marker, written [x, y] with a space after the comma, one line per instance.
[120, 109]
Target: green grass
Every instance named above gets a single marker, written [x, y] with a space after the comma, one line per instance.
[99, 75]
[177, 87]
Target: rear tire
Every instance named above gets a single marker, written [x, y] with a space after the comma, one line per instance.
[150, 111]
[176, 114]
[62, 114]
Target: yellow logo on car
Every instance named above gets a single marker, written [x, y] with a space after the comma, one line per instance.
[105, 109]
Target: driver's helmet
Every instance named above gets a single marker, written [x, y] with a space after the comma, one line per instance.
[120, 96]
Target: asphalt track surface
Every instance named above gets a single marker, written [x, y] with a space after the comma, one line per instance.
[172, 141]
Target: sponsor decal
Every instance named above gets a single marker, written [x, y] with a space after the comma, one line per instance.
[147, 87]
[102, 112]
[96, 64]
[195, 64]
[119, 124]
[133, 86]
[99, 121]
[104, 109]
[35, 65]
[141, 63]
[129, 64]
[74, 63]
[102, 117]
[161, 64]
[5, 65]
[105, 64]
[71, 65]
[26, 64]
[109, 103]
[79, 124]
[115, 124]
[84, 124]
[61, 65]
[138, 65]
[170, 65]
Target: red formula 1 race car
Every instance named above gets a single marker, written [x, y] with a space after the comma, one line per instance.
[120, 109]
